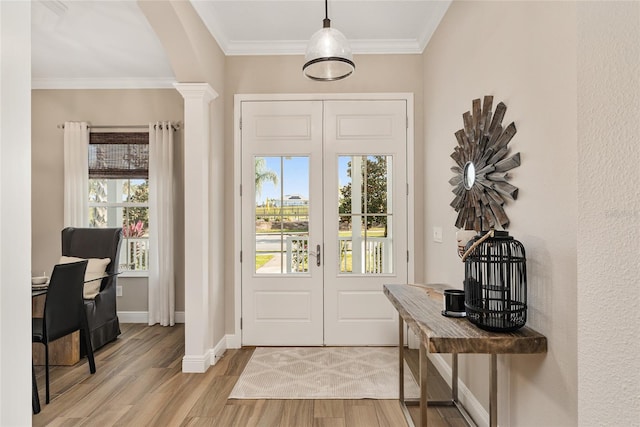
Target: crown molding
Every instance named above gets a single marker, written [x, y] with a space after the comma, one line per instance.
[103, 83]
[440, 8]
[259, 47]
[391, 46]
[298, 47]
[265, 47]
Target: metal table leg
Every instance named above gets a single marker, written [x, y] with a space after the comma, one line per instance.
[401, 359]
[493, 392]
[401, 398]
[454, 391]
[423, 402]
[454, 377]
[423, 385]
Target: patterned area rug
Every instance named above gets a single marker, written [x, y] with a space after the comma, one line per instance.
[323, 373]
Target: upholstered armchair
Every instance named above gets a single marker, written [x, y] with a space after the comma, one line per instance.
[90, 243]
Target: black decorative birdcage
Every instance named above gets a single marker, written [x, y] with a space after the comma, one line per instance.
[495, 283]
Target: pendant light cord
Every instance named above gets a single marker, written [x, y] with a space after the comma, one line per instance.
[326, 23]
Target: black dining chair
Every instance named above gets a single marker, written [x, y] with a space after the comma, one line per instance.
[35, 400]
[64, 312]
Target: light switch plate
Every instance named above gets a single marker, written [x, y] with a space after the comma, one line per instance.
[118, 291]
[437, 234]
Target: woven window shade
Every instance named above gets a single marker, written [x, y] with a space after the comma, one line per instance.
[119, 155]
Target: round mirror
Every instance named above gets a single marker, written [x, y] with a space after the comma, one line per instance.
[469, 175]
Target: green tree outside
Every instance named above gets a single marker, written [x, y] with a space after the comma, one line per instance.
[373, 190]
[135, 220]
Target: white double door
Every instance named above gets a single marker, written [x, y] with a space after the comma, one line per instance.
[324, 220]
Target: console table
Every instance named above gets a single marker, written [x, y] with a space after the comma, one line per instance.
[420, 307]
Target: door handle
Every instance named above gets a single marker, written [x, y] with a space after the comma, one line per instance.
[316, 254]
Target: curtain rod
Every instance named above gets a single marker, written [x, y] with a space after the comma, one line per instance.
[175, 126]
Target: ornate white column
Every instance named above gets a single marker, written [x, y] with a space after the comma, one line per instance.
[197, 136]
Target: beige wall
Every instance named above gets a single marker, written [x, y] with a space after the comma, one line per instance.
[195, 57]
[283, 74]
[100, 107]
[524, 54]
[220, 247]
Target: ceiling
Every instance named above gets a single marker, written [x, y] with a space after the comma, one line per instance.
[110, 44]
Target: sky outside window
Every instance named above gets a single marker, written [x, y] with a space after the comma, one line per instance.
[297, 177]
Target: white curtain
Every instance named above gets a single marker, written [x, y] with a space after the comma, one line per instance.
[161, 191]
[76, 174]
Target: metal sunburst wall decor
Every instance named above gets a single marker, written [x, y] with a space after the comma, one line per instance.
[482, 162]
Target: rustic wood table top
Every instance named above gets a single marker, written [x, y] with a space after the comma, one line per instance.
[421, 308]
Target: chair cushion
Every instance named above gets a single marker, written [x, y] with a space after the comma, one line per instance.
[96, 268]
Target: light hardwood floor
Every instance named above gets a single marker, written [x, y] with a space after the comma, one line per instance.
[139, 383]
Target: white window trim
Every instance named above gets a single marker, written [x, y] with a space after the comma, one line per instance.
[139, 273]
[126, 273]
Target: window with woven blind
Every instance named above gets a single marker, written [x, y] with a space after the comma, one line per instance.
[119, 193]
[119, 155]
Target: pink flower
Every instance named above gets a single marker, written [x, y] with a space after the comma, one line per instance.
[133, 230]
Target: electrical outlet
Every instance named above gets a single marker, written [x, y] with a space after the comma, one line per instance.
[118, 291]
[437, 234]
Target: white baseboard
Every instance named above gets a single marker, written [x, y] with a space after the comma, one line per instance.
[196, 364]
[218, 350]
[468, 400]
[200, 364]
[191, 364]
[233, 341]
[143, 316]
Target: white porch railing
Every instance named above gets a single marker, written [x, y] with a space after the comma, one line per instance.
[375, 256]
[297, 254]
[134, 254]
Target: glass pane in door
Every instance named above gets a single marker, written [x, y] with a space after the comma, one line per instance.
[281, 215]
[365, 240]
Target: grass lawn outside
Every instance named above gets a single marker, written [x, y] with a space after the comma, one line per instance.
[262, 260]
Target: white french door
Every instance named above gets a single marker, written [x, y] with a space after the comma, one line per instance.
[324, 220]
[366, 239]
[282, 301]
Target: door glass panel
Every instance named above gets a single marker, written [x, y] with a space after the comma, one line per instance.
[282, 215]
[345, 244]
[365, 243]
[378, 245]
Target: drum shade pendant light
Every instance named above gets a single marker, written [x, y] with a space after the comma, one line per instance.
[328, 56]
